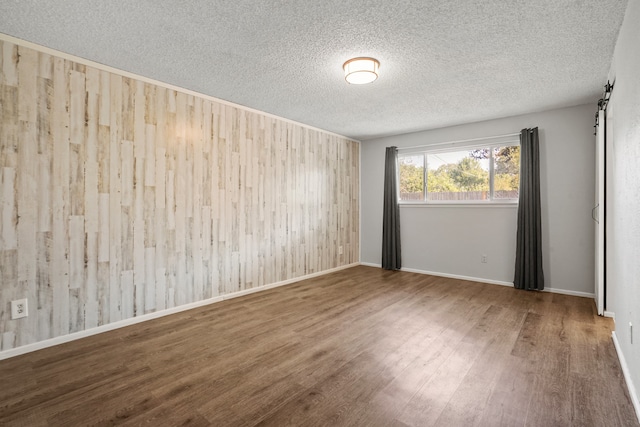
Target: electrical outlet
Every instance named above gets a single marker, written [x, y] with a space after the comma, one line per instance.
[19, 309]
[483, 259]
[340, 250]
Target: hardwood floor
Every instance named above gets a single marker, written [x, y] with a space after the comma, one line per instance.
[359, 347]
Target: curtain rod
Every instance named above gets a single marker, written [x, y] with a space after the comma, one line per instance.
[603, 102]
[462, 140]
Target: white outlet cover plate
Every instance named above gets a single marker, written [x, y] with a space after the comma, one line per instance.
[19, 309]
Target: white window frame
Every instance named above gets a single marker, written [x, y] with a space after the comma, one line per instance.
[490, 143]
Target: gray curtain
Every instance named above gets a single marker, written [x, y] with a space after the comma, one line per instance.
[391, 258]
[528, 273]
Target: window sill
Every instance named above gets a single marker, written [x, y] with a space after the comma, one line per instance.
[459, 205]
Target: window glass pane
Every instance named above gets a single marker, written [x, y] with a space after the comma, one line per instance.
[458, 175]
[411, 168]
[506, 180]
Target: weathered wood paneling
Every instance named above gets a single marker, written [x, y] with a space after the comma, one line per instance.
[120, 197]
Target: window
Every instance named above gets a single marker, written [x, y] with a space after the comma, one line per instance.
[483, 174]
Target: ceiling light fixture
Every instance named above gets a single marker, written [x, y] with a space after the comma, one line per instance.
[359, 71]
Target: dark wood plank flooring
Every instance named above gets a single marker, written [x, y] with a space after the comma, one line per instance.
[361, 347]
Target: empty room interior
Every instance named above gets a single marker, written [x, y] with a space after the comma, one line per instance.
[378, 213]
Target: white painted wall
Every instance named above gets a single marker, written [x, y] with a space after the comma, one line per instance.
[450, 240]
[623, 193]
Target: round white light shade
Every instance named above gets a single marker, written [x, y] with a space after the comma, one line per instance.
[359, 71]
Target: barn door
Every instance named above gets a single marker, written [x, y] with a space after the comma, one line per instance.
[598, 212]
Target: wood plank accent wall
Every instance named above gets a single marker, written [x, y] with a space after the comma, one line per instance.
[120, 197]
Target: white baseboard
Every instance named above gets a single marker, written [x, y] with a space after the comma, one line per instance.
[457, 276]
[610, 314]
[572, 293]
[6, 354]
[287, 282]
[450, 276]
[482, 280]
[627, 376]
[370, 264]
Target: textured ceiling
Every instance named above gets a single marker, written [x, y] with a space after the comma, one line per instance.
[442, 62]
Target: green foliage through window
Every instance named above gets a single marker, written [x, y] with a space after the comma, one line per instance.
[461, 174]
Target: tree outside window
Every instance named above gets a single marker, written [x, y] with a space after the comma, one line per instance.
[461, 175]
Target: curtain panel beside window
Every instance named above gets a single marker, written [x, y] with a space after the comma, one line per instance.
[391, 253]
[528, 271]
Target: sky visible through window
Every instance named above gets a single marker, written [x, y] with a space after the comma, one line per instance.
[438, 159]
